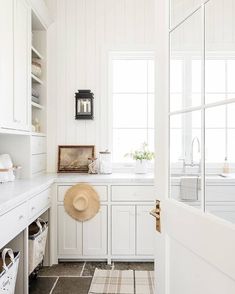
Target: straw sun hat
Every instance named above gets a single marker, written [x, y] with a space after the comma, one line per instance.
[81, 202]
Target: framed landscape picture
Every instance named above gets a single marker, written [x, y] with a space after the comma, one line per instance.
[74, 158]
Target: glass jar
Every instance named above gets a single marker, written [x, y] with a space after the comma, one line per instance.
[105, 162]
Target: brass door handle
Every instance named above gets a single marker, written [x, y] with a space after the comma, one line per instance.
[156, 213]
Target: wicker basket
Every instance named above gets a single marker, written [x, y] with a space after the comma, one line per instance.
[37, 243]
[8, 271]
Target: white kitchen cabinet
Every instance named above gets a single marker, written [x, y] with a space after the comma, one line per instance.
[145, 228]
[69, 234]
[123, 230]
[95, 234]
[76, 239]
[15, 30]
[22, 49]
[6, 63]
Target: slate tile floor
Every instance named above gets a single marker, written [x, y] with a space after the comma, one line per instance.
[75, 277]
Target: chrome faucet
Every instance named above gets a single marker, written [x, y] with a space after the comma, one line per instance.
[195, 139]
[192, 163]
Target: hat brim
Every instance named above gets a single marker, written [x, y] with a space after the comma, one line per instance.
[93, 202]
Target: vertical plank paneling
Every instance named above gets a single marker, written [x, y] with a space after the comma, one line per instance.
[71, 71]
[61, 71]
[80, 64]
[84, 31]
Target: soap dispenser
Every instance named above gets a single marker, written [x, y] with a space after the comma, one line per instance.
[226, 169]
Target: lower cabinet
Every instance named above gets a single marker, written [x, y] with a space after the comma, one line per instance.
[95, 234]
[132, 230]
[69, 234]
[123, 230]
[145, 228]
[76, 239]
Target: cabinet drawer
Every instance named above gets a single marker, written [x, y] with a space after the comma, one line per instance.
[38, 203]
[38, 145]
[101, 190]
[12, 223]
[38, 163]
[132, 193]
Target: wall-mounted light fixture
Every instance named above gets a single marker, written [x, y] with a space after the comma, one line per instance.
[84, 108]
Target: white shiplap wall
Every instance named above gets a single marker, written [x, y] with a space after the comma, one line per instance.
[83, 33]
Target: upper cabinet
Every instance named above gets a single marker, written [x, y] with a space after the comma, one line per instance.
[6, 63]
[20, 20]
[22, 45]
[15, 65]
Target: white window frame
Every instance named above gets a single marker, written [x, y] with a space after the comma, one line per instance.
[123, 55]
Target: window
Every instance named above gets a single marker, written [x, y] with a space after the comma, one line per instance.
[132, 86]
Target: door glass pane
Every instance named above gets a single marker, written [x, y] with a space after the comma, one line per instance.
[220, 161]
[185, 158]
[180, 9]
[185, 64]
[220, 50]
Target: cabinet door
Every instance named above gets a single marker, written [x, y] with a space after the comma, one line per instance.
[6, 62]
[145, 231]
[22, 25]
[95, 234]
[123, 230]
[69, 235]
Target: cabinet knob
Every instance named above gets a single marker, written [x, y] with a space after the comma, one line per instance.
[21, 217]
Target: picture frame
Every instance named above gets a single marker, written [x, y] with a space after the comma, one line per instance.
[74, 158]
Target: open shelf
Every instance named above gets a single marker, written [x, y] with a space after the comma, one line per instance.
[36, 54]
[36, 79]
[36, 105]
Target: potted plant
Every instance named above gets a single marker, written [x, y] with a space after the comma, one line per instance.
[142, 158]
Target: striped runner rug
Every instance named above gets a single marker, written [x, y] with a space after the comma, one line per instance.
[122, 282]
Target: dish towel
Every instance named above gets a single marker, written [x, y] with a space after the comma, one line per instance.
[189, 188]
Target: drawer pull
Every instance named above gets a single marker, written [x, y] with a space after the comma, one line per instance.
[33, 208]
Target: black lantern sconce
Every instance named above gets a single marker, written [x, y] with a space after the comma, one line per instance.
[84, 108]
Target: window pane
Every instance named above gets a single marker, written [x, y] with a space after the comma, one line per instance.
[215, 146]
[196, 76]
[125, 141]
[231, 115]
[185, 62]
[129, 76]
[231, 148]
[151, 106]
[176, 75]
[181, 8]
[129, 111]
[185, 158]
[215, 76]
[231, 75]
[151, 77]
[214, 97]
[215, 117]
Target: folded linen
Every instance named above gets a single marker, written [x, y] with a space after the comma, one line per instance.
[189, 187]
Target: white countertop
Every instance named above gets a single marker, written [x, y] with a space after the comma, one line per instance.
[115, 178]
[14, 193]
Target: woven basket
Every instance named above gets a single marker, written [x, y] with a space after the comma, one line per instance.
[8, 270]
[37, 243]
